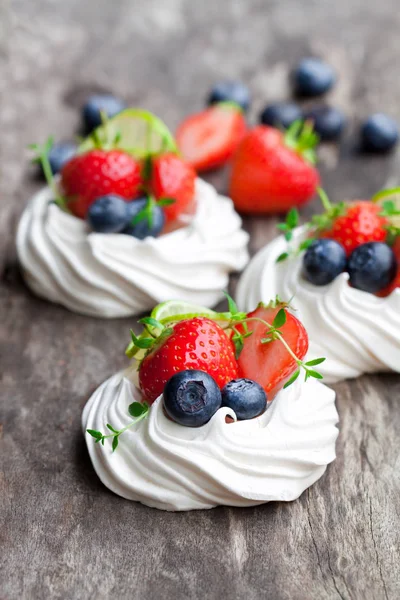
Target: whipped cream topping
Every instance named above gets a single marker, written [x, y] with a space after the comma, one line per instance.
[167, 466]
[116, 275]
[356, 331]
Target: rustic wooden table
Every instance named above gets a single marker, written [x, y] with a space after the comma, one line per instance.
[63, 534]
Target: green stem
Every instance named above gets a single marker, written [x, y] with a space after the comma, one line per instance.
[324, 199]
[50, 178]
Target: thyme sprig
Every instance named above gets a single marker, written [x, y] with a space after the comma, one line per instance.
[137, 410]
[42, 157]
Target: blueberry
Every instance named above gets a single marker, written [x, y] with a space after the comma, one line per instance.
[281, 114]
[372, 266]
[313, 77]
[245, 397]
[143, 228]
[59, 154]
[328, 121]
[97, 104]
[191, 398]
[230, 91]
[323, 261]
[108, 214]
[379, 133]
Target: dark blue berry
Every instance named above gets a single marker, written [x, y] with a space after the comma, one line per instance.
[372, 267]
[323, 261]
[281, 114]
[59, 154]
[145, 227]
[328, 121]
[95, 105]
[245, 397]
[108, 214]
[191, 398]
[230, 91]
[379, 133]
[313, 77]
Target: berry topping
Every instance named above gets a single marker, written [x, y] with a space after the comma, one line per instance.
[281, 114]
[108, 214]
[198, 344]
[379, 133]
[360, 222]
[323, 261]
[245, 397]
[191, 398]
[97, 173]
[262, 358]
[98, 105]
[173, 178]
[208, 139]
[59, 154]
[328, 122]
[272, 171]
[145, 218]
[230, 91]
[313, 77]
[372, 267]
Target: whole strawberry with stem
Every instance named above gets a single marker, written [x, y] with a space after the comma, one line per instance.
[98, 173]
[273, 171]
[198, 343]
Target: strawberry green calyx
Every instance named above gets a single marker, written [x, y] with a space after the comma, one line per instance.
[229, 105]
[42, 157]
[301, 138]
[389, 200]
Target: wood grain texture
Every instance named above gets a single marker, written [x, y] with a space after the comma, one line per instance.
[63, 535]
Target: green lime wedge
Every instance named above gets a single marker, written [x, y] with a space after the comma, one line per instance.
[136, 131]
[391, 195]
[172, 311]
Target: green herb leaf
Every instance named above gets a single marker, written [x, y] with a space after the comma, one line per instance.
[111, 428]
[306, 244]
[115, 443]
[142, 342]
[292, 218]
[282, 257]
[166, 201]
[315, 362]
[233, 309]
[94, 433]
[280, 318]
[315, 374]
[292, 379]
[136, 409]
[152, 322]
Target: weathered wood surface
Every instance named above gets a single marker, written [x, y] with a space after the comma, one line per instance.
[62, 534]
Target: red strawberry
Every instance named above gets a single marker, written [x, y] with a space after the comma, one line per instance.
[359, 224]
[96, 173]
[272, 172]
[271, 364]
[208, 139]
[197, 343]
[172, 177]
[396, 281]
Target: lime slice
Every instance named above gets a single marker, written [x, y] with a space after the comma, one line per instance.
[392, 195]
[172, 311]
[136, 131]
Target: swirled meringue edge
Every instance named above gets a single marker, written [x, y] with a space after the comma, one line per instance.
[164, 465]
[115, 275]
[356, 331]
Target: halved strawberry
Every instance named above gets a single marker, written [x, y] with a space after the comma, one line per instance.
[172, 177]
[197, 343]
[270, 364]
[208, 139]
